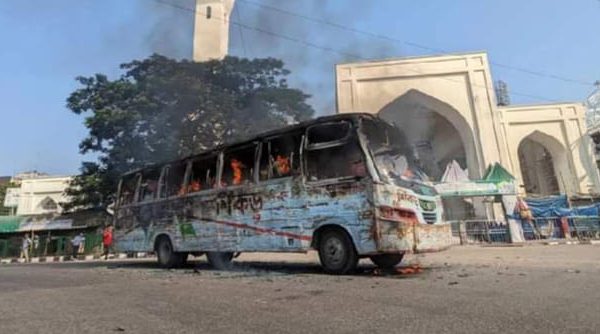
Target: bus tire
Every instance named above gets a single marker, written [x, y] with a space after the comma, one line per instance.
[386, 261]
[337, 253]
[166, 255]
[220, 260]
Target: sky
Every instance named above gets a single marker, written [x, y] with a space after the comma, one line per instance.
[47, 44]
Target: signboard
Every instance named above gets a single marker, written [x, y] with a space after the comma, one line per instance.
[467, 189]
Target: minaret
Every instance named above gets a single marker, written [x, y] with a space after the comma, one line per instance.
[211, 29]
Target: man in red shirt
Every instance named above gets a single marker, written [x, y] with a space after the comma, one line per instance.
[107, 239]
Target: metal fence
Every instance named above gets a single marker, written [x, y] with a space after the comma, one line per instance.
[480, 231]
[550, 228]
[44, 245]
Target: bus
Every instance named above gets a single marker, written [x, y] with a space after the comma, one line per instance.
[348, 186]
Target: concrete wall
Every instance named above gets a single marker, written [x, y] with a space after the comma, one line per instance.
[34, 192]
[460, 89]
[561, 129]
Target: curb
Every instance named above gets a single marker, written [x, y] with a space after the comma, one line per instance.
[62, 258]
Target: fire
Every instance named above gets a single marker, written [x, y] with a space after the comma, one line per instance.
[282, 164]
[406, 270]
[237, 167]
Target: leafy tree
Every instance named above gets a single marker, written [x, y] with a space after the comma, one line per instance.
[161, 109]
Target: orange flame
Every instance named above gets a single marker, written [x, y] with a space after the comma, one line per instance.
[237, 166]
[282, 164]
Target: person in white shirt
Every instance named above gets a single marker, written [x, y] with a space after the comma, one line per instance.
[25, 244]
[76, 243]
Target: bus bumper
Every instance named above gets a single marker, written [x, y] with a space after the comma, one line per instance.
[409, 237]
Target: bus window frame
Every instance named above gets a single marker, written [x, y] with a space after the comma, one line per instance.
[161, 178]
[134, 201]
[155, 196]
[308, 147]
[270, 171]
[332, 143]
[190, 166]
[254, 179]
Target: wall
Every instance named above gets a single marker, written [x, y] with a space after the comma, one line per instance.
[35, 191]
[561, 129]
[460, 89]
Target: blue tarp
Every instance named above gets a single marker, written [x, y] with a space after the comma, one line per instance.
[558, 206]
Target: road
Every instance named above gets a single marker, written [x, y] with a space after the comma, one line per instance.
[535, 289]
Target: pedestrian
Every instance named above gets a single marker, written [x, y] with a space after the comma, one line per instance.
[107, 239]
[76, 243]
[25, 244]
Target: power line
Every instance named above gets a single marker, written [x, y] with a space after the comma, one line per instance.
[412, 44]
[239, 17]
[346, 54]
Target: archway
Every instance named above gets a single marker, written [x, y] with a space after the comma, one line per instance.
[543, 164]
[437, 132]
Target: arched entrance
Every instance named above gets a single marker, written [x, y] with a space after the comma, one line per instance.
[437, 132]
[543, 163]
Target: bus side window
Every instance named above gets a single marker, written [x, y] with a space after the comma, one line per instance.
[204, 174]
[128, 187]
[173, 180]
[149, 186]
[281, 157]
[332, 152]
[238, 166]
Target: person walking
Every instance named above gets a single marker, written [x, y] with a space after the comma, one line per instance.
[25, 244]
[107, 239]
[76, 243]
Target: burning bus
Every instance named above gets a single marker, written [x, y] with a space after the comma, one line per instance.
[348, 186]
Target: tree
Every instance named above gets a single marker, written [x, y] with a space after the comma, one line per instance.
[161, 109]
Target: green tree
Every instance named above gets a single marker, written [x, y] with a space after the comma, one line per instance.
[162, 109]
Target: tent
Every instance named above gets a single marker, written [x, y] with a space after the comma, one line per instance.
[454, 173]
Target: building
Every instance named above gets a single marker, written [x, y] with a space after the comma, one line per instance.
[211, 29]
[42, 195]
[447, 107]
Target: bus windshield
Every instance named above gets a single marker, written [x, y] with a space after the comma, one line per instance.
[394, 157]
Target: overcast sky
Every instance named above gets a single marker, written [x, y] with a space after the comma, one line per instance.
[46, 44]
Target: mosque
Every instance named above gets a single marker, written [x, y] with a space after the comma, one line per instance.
[448, 107]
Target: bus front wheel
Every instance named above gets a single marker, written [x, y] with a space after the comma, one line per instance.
[386, 261]
[167, 257]
[220, 260]
[337, 253]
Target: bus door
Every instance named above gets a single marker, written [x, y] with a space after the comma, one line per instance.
[279, 191]
[148, 208]
[170, 207]
[237, 204]
[334, 167]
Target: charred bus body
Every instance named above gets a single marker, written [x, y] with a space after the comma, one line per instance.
[347, 186]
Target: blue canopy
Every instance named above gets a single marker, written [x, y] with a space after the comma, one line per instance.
[558, 206]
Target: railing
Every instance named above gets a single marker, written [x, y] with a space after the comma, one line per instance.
[49, 246]
[480, 231]
[549, 228]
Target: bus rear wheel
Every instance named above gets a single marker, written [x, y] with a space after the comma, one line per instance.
[386, 261]
[337, 253]
[220, 260]
[167, 257]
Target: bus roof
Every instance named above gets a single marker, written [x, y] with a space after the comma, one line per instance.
[257, 137]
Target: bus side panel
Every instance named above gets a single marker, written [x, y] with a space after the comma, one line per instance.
[265, 217]
[347, 205]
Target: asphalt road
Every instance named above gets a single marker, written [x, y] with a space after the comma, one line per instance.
[535, 289]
